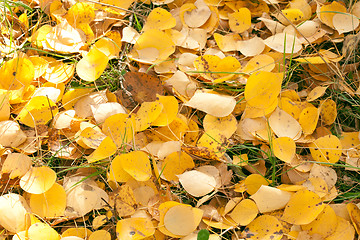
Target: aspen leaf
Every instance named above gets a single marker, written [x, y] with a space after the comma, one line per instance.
[104, 110]
[80, 13]
[343, 230]
[244, 212]
[265, 227]
[92, 137]
[106, 148]
[125, 203]
[159, 19]
[13, 209]
[284, 148]
[108, 47]
[326, 149]
[226, 43]
[253, 182]
[42, 231]
[38, 180]
[49, 92]
[251, 47]
[284, 125]
[324, 172]
[212, 103]
[240, 21]
[328, 11]
[195, 15]
[117, 172]
[73, 95]
[260, 62]
[50, 204]
[316, 93]
[58, 72]
[188, 216]
[4, 106]
[176, 163]
[293, 15]
[220, 125]
[137, 164]
[262, 89]
[354, 213]
[328, 111]
[11, 134]
[79, 232]
[17, 164]
[284, 43]
[134, 228]
[38, 111]
[92, 65]
[316, 185]
[308, 119]
[169, 111]
[303, 207]
[63, 119]
[325, 224]
[204, 183]
[148, 113]
[269, 199]
[100, 234]
[16, 73]
[120, 128]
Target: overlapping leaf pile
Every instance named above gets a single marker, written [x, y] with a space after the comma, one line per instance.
[167, 152]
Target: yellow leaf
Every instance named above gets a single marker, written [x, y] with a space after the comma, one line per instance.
[17, 164]
[120, 128]
[244, 212]
[328, 11]
[134, 228]
[42, 231]
[284, 148]
[262, 88]
[80, 232]
[176, 163]
[265, 227]
[269, 199]
[308, 119]
[240, 21]
[169, 111]
[125, 203]
[137, 164]
[50, 204]
[159, 19]
[284, 125]
[343, 231]
[325, 224]
[326, 149]
[38, 180]
[106, 148]
[253, 182]
[258, 63]
[100, 234]
[38, 111]
[316, 93]
[92, 65]
[328, 111]
[224, 125]
[148, 113]
[73, 95]
[80, 13]
[303, 208]
[354, 213]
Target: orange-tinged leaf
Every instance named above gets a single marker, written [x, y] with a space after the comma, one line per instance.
[106, 148]
[240, 21]
[284, 148]
[176, 163]
[125, 202]
[325, 224]
[38, 180]
[316, 93]
[38, 111]
[92, 65]
[169, 111]
[253, 182]
[262, 89]
[50, 204]
[265, 227]
[134, 228]
[16, 73]
[326, 149]
[148, 113]
[308, 119]
[244, 212]
[136, 164]
[303, 208]
[182, 219]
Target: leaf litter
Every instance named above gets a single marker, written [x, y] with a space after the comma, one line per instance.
[207, 130]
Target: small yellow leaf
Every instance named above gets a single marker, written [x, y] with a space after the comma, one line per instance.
[148, 113]
[308, 119]
[42, 231]
[79, 232]
[328, 11]
[16, 73]
[134, 228]
[326, 149]
[176, 163]
[73, 95]
[38, 180]
[240, 21]
[316, 93]
[169, 111]
[253, 182]
[159, 19]
[137, 164]
[284, 148]
[220, 125]
[344, 231]
[328, 111]
[38, 111]
[17, 164]
[269, 199]
[354, 213]
[125, 203]
[325, 224]
[80, 13]
[303, 208]
[244, 212]
[106, 148]
[265, 227]
[92, 65]
[100, 234]
[120, 128]
[50, 204]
